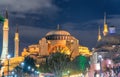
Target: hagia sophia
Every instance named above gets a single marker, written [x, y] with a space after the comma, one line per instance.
[62, 41]
[57, 40]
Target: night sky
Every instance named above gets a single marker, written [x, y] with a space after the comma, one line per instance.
[79, 17]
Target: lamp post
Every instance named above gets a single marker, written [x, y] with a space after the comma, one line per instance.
[68, 73]
[8, 58]
[37, 73]
[22, 64]
[100, 61]
[33, 71]
[29, 67]
[13, 73]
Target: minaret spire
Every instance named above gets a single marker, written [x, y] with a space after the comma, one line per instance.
[6, 14]
[16, 28]
[16, 40]
[58, 27]
[5, 36]
[99, 34]
[105, 22]
[105, 30]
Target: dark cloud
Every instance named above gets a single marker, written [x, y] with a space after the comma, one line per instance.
[28, 5]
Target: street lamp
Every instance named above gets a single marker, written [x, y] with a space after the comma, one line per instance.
[33, 69]
[22, 64]
[29, 67]
[37, 73]
[8, 58]
[100, 61]
[68, 73]
[13, 73]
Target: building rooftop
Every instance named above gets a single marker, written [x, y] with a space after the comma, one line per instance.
[58, 32]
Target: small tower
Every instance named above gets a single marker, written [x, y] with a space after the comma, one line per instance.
[5, 37]
[16, 41]
[58, 27]
[105, 30]
[99, 34]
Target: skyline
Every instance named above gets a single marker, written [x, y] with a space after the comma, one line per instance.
[80, 18]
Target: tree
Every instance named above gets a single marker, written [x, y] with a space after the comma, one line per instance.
[57, 63]
[21, 70]
[80, 63]
[18, 71]
[1, 19]
[29, 61]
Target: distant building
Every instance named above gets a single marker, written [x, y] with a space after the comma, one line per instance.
[108, 47]
[108, 41]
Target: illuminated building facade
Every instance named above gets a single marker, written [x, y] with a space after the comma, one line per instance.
[57, 41]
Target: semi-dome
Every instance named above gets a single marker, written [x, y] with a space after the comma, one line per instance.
[58, 32]
[109, 40]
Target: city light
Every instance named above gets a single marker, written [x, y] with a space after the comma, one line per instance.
[8, 56]
[22, 64]
[32, 69]
[29, 67]
[13, 72]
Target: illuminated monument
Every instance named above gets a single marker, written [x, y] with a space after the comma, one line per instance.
[16, 41]
[5, 37]
[57, 41]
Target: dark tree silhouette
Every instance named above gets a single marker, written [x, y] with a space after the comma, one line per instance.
[29, 61]
[80, 63]
[56, 63]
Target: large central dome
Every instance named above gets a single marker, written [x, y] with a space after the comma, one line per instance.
[58, 35]
[58, 32]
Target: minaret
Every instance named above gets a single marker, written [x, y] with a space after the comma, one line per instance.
[105, 30]
[58, 27]
[5, 37]
[16, 41]
[99, 34]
